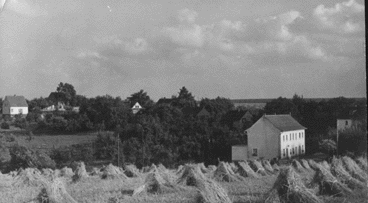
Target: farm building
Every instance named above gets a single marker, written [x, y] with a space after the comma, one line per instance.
[275, 136]
[136, 108]
[14, 105]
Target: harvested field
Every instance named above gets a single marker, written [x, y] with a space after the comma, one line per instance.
[224, 173]
[353, 168]
[246, 171]
[257, 167]
[338, 170]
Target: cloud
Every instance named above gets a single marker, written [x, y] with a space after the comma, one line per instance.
[22, 7]
[187, 16]
[345, 17]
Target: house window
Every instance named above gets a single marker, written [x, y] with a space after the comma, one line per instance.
[20, 110]
[290, 136]
[283, 138]
[283, 153]
[11, 110]
[302, 149]
[286, 137]
[346, 122]
[300, 135]
[255, 152]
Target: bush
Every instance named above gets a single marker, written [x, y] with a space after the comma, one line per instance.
[353, 140]
[78, 152]
[5, 125]
[22, 157]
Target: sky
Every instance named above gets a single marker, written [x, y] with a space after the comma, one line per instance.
[232, 49]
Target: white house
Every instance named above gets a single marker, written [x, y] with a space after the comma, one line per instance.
[275, 136]
[14, 105]
[60, 107]
[137, 107]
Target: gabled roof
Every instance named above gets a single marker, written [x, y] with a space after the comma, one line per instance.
[233, 115]
[16, 101]
[164, 101]
[284, 122]
[137, 106]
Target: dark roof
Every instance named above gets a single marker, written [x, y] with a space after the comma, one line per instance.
[233, 115]
[16, 101]
[203, 112]
[164, 101]
[284, 122]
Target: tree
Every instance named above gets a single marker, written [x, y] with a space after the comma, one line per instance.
[185, 99]
[64, 93]
[142, 98]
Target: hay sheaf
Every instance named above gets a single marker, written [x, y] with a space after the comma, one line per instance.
[326, 165]
[314, 165]
[28, 177]
[191, 175]
[203, 168]
[95, 172]
[257, 167]
[276, 167]
[234, 167]
[290, 188]
[154, 184]
[305, 164]
[224, 173]
[362, 162]
[298, 167]
[267, 166]
[354, 169]
[338, 170]
[246, 171]
[131, 171]
[112, 172]
[328, 184]
[211, 168]
[66, 171]
[211, 192]
[55, 192]
[80, 172]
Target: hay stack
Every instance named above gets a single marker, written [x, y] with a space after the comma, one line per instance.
[338, 170]
[245, 170]
[267, 166]
[112, 172]
[191, 175]
[257, 167]
[203, 168]
[211, 192]
[80, 172]
[328, 184]
[326, 165]
[145, 169]
[154, 183]
[297, 166]
[55, 192]
[305, 165]
[180, 169]
[161, 167]
[354, 169]
[362, 162]
[28, 177]
[131, 171]
[95, 172]
[66, 171]
[224, 173]
[233, 167]
[290, 188]
[314, 165]
[212, 168]
[47, 172]
[275, 167]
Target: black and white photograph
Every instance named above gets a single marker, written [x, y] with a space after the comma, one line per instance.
[183, 101]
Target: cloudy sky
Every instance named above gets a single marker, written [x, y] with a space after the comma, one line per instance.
[233, 49]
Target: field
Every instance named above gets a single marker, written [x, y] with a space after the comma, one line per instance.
[189, 183]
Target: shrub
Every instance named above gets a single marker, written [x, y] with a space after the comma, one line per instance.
[353, 140]
[5, 125]
[22, 157]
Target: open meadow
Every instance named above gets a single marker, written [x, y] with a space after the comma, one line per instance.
[341, 180]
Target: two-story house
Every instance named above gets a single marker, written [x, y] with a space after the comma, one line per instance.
[275, 136]
[14, 105]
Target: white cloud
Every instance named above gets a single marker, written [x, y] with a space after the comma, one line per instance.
[345, 17]
[22, 7]
[185, 35]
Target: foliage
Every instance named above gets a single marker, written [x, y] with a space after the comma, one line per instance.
[22, 157]
[142, 98]
[5, 125]
[353, 140]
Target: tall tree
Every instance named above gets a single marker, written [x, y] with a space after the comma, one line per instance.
[142, 98]
[185, 99]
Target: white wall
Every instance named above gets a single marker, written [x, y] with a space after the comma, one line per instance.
[16, 110]
[291, 144]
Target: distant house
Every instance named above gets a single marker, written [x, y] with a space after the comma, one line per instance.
[76, 109]
[275, 136]
[237, 118]
[164, 101]
[353, 119]
[14, 105]
[59, 107]
[136, 108]
[203, 113]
